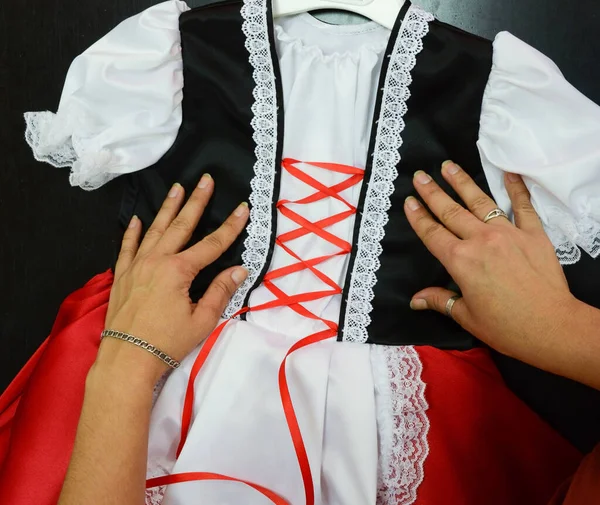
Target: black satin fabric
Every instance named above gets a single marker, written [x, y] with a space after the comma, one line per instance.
[442, 123]
[215, 136]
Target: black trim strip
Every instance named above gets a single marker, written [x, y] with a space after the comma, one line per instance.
[369, 167]
[278, 154]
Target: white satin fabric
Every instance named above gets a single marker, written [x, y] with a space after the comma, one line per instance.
[239, 428]
[120, 108]
[329, 77]
[534, 123]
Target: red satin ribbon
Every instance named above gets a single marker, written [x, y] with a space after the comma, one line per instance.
[195, 476]
[282, 299]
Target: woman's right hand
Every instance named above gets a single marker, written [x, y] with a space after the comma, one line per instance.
[150, 295]
[515, 296]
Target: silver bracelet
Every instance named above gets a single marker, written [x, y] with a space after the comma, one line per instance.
[173, 363]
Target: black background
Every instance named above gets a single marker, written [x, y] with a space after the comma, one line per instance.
[53, 238]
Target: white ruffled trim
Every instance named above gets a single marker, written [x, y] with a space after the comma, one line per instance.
[300, 47]
[568, 234]
[264, 122]
[45, 133]
[156, 495]
[402, 423]
[381, 184]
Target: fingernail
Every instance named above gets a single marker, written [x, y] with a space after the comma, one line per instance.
[175, 190]
[239, 275]
[450, 167]
[242, 209]
[512, 177]
[412, 203]
[133, 222]
[204, 181]
[421, 177]
[418, 304]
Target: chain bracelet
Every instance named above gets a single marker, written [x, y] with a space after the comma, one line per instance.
[173, 363]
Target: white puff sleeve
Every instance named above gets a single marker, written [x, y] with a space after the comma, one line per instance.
[536, 124]
[120, 109]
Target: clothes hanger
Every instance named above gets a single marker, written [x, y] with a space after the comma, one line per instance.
[383, 12]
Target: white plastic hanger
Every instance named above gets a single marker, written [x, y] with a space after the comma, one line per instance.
[383, 12]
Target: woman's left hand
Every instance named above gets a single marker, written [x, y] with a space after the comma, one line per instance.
[150, 295]
[515, 296]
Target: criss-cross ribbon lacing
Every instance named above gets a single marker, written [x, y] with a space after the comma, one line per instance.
[282, 299]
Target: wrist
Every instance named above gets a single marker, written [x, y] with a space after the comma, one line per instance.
[570, 346]
[122, 361]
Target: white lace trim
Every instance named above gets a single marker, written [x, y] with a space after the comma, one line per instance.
[155, 495]
[402, 423]
[568, 234]
[264, 123]
[381, 184]
[46, 134]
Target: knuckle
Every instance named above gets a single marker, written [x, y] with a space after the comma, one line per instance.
[524, 207]
[223, 288]
[494, 237]
[210, 308]
[439, 301]
[178, 264]
[521, 193]
[126, 250]
[431, 231]
[181, 223]
[451, 212]
[154, 232]
[482, 203]
[214, 241]
[457, 249]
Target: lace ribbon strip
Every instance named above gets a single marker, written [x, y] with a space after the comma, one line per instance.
[402, 423]
[381, 184]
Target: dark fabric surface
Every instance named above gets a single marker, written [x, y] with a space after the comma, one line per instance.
[447, 89]
[215, 136]
[54, 238]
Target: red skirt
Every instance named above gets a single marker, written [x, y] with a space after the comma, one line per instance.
[485, 445]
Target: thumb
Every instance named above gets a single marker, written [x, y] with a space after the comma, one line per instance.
[212, 304]
[436, 299]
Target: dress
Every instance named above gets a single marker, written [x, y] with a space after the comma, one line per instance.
[285, 403]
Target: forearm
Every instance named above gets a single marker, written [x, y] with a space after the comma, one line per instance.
[108, 465]
[572, 347]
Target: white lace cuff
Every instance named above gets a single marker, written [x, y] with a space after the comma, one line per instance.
[120, 108]
[46, 135]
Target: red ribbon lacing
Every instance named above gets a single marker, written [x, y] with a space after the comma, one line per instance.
[282, 299]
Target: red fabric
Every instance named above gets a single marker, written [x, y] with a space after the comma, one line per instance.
[584, 487]
[40, 410]
[485, 445]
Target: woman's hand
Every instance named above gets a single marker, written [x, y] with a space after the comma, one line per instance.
[515, 295]
[150, 295]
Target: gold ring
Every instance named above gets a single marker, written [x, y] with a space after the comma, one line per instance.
[495, 213]
[450, 304]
